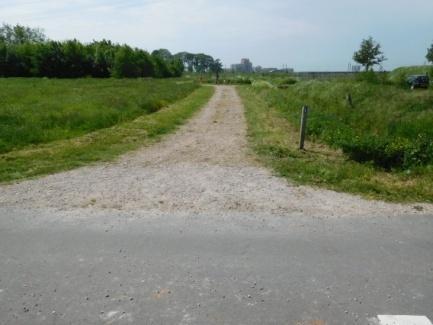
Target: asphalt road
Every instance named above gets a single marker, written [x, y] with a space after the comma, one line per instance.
[113, 267]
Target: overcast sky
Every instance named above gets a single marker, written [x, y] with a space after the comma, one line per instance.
[304, 34]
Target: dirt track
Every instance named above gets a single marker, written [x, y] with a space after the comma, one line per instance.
[204, 167]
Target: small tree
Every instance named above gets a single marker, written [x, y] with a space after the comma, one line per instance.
[429, 55]
[369, 54]
[216, 67]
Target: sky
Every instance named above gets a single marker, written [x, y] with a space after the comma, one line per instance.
[307, 35]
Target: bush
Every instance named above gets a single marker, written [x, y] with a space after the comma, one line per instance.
[239, 80]
[286, 82]
[262, 84]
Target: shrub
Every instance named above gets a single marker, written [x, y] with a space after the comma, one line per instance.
[262, 84]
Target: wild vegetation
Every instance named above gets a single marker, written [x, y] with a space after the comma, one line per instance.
[399, 76]
[379, 143]
[385, 125]
[273, 118]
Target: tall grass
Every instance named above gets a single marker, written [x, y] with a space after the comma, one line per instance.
[399, 75]
[35, 111]
[387, 125]
[273, 135]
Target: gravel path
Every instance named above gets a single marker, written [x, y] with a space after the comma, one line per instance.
[204, 167]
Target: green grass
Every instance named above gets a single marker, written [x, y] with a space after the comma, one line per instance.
[387, 125]
[273, 135]
[35, 110]
[100, 145]
[399, 75]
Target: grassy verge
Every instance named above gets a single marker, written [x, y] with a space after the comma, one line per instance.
[386, 125]
[274, 138]
[101, 145]
[38, 110]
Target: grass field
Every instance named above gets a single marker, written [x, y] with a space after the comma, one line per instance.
[379, 112]
[73, 145]
[34, 111]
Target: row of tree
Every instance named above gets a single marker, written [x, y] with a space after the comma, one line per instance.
[370, 54]
[26, 52]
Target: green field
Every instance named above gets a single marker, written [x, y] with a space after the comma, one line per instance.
[54, 125]
[381, 147]
[35, 111]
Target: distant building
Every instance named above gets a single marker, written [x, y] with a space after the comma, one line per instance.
[354, 68]
[244, 67]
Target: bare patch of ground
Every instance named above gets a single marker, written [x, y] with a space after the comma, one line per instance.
[205, 167]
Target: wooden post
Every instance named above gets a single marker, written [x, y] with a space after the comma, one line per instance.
[349, 100]
[303, 127]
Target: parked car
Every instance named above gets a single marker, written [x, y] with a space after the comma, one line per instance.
[418, 81]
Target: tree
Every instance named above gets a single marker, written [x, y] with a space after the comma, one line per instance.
[176, 67]
[77, 61]
[429, 55]
[216, 67]
[3, 59]
[145, 63]
[124, 63]
[20, 34]
[163, 53]
[369, 54]
[49, 60]
[202, 63]
[161, 67]
[102, 54]
[25, 52]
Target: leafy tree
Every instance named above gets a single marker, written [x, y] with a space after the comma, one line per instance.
[20, 34]
[216, 67]
[25, 52]
[49, 60]
[202, 63]
[124, 63]
[102, 55]
[164, 54]
[77, 61]
[369, 54]
[145, 63]
[187, 60]
[3, 61]
[176, 67]
[429, 55]
[161, 68]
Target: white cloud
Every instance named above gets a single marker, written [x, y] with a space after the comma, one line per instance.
[272, 32]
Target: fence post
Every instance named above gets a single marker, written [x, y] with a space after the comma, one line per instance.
[349, 100]
[303, 127]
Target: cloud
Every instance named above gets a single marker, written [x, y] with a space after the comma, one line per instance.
[300, 33]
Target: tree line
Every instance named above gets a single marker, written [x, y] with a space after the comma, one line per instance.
[26, 52]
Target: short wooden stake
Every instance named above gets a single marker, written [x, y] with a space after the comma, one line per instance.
[349, 100]
[303, 127]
